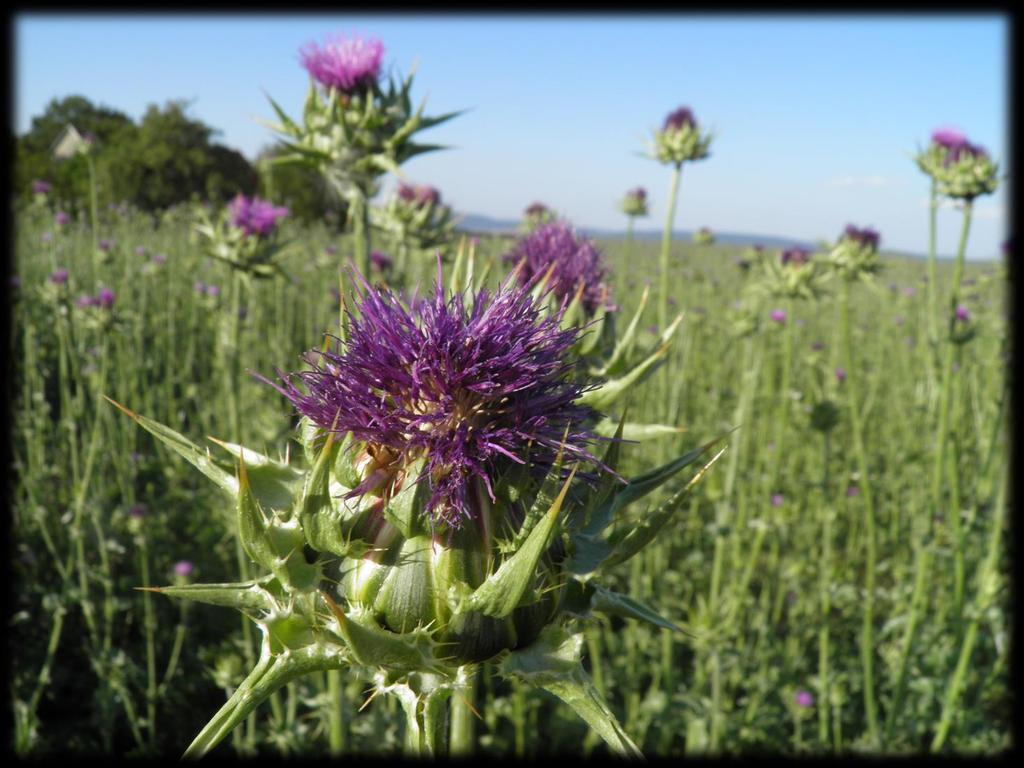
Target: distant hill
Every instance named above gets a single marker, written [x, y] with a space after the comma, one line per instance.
[486, 225]
[475, 223]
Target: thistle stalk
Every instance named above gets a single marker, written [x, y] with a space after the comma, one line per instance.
[666, 242]
[359, 214]
[867, 631]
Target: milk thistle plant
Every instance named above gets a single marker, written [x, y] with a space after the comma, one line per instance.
[353, 130]
[536, 215]
[417, 218]
[703, 236]
[454, 511]
[680, 140]
[566, 273]
[634, 205]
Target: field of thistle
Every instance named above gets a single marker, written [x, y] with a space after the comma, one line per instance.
[799, 530]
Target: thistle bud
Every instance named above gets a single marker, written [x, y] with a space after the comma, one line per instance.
[680, 139]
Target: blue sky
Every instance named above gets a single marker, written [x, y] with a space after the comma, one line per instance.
[815, 117]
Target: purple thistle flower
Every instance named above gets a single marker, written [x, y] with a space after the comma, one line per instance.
[949, 138]
[183, 568]
[469, 390]
[678, 119]
[348, 64]
[795, 256]
[866, 237]
[213, 291]
[574, 262]
[427, 195]
[85, 300]
[140, 250]
[777, 500]
[963, 314]
[138, 511]
[778, 316]
[639, 193]
[804, 699]
[406, 192]
[852, 491]
[159, 258]
[840, 375]
[61, 219]
[199, 287]
[106, 298]
[255, 216]
[59, 276]
[40, 187]
[536, 209]
[910, 291]
[381, 262]
[105, 245]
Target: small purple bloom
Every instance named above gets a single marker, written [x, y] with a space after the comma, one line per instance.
[59, 276]
[105, 245]
[795, 256]
[348, 64]
[427, 195]
[106, 298]
[331, 250]
[574, 262]
[159, 258]
[536, 210]
[852, 491]
[817, 346]
[138, 511]
[963, 315]
[678, 119]
[910, 291]
[255, 216]
[840, 375]
[778, 316]
[866, 237]
[40, 187]
[777, 500]
[804, 699]
[183, 568]
[471, 390]
[213, 291]
[140, 250]
[638, 194]
[61, 219]
[380, 262]
[199, 287]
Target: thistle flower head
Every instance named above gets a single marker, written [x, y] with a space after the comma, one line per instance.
[105, 298]
[40, 187]
[62, 219]
[795, 256]
[467, 387]
[183, 568]
[255, 217]
[678, 119]
[536, 209]
[346, 63]
[778, 316]
[59, 276]
[866, 237]
[635, 202]
[574, 261]
[380, 261]
[963, 314]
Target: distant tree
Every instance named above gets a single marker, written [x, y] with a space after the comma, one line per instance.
[70, 178]
[171, 159]
[167, 158]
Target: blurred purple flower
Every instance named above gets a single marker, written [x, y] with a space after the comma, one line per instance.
[536, 209]
[47, 237]
[678, 119]
[910, 291]
[573, 260]
[331, 250]
[40, 187]
[777, 500]
[59, 276]
[840, 375]
[85, 300]
[852, 491]
[199, 287]
[106, 298]
[346, 63]
[255, 216]
[796, 256]
[380, 262]
[105, 245]
[213, 291]
[183, 568]
[159, 258]
[866, 237]
[804, 699]
[138, 511]
[778, 315]
[140, 250]
[61, 219]
[963, 315]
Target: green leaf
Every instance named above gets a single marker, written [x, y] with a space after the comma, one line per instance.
[200, 459]
[500, 594]
[552, 663]
[617, 362]
[606, 394]
[273, 482]
[250, 597]
[633, 431]
[616, 604]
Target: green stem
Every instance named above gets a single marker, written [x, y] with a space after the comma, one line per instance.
[360, 217]
[336, 722]
[867, 634]
[666, 242]
[462, 741]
